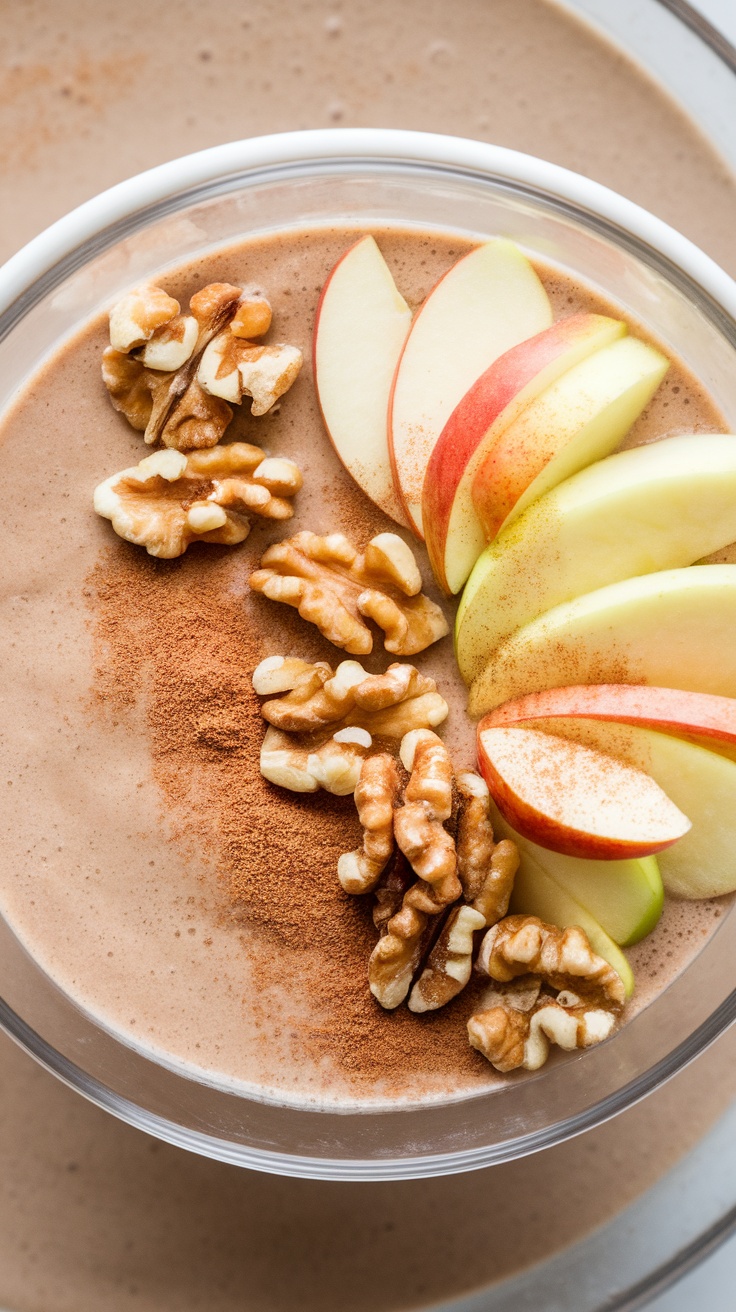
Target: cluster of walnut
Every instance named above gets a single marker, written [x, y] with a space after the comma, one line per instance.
[172, 376]
[434, 886]
[439, 879]
[429, 858]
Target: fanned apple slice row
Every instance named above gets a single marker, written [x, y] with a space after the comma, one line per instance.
[701, 783]
[581, 418]
[655, 507]
[455, 535]
[574, 800]
[674, 629]
[360, 328]
[489, 301]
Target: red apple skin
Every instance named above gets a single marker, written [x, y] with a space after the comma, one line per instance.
[471, 419]
[672, 710]
[547, 831]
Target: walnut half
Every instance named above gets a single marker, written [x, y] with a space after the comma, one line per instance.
[524, 951]
[170, 500]
[172, 374]
[337, 588]
[510, 1038]
[322, 725]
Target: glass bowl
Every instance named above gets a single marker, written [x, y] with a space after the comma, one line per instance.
[377, 178]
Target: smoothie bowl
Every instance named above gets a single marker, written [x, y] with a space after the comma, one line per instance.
[256, 897]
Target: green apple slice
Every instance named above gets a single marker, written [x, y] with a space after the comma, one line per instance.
[536, 893]
[625, 897]
[652, 508]
[582, 417]
[700, 782]
[674, 629]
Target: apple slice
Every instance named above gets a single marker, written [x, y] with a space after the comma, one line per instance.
[625, 897]
[654, 507]
[359, 331]
[573, 799]
[487, 302]
[454, 533]
[695, 714]
[674, 629]
[536, 893]
[700, 782]
[582, 417]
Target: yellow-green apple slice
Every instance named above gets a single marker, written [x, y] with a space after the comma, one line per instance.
[487, 302]
[700, 782]
[699, 715]
[360, 327]
[652, 508]
[582, 417]
[625, 897]
[454, 533]
[574, 799]
[674, 629]
[536, 893]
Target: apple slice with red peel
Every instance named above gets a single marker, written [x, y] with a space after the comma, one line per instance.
[701, 782]
[490, 300]
[454, 532]
[359, 331]
[701, 715]
[581, 418]
[575, 800]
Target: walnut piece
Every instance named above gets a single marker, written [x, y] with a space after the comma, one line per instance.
[388, 894]
[252, 317]
[486, 872]
[388, 705]
[333, 764]
[511, 1039]
[321, 704]
[232, 367]
[430, 850]
[562, 958]
[449, 964]
[175, 387]
[136, 317]
[336, 588]
[375, 798]
[170, 500]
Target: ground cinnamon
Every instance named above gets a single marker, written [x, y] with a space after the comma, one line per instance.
[181, 638]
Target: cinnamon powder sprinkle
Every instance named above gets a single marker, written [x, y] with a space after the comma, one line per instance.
[177, 641]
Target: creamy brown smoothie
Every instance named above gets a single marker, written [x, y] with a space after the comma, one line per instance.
[164, 884]
[94, 1213]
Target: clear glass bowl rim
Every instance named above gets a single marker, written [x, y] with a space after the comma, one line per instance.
[94, 226]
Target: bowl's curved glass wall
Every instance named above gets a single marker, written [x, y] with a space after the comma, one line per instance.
[569, 1096]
